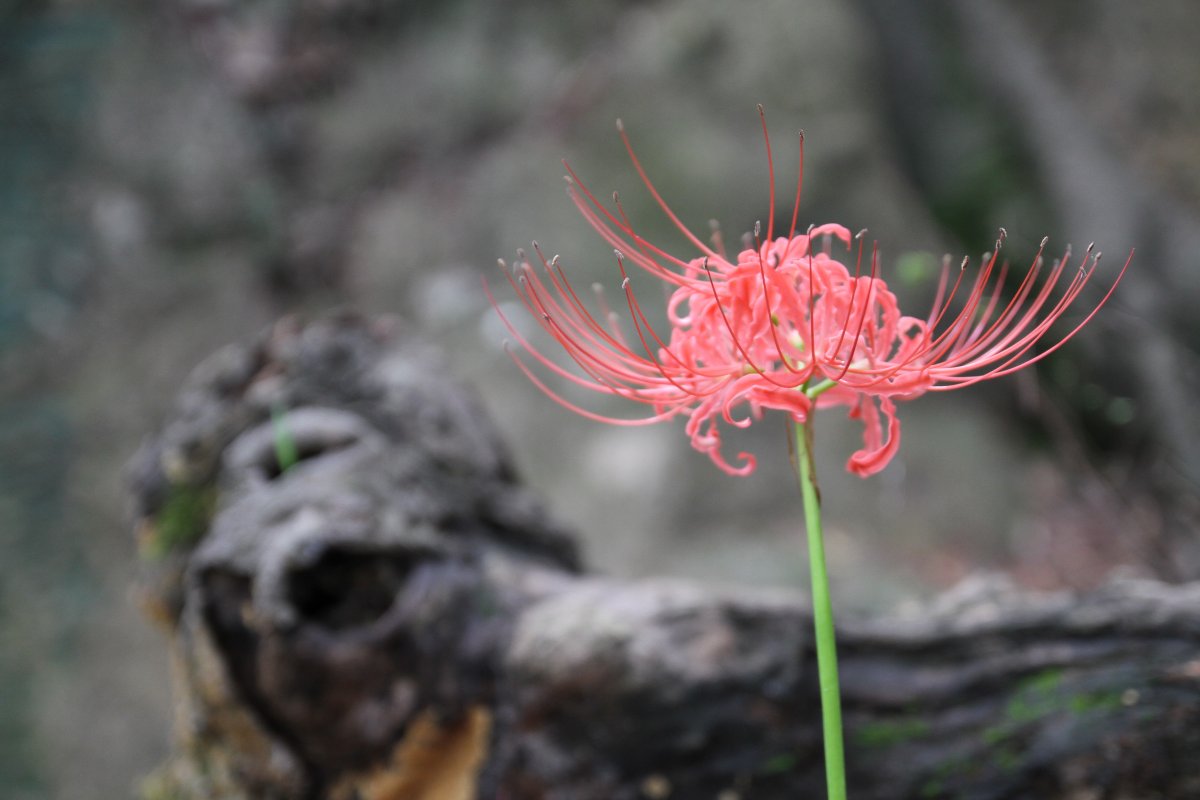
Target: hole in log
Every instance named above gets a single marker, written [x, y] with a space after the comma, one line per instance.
[345, 589]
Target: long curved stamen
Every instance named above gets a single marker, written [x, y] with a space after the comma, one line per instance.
[970, 315]
[963, 320]
[646, 248]
[643, 246]
[943, 279]
[985, 326]
[583, 412]
[997, 289]
[812, 295]
[606, 225]
[937, 313]
[734, 337]
[1009, 369]
[597, 358]
[1018, 334]
[635, 310]
[762, 115]
[853, 291]
[581, 320]
[968, 335]
[940, 345]
[772, 322]
[941, 341]
[1017, 342]
[799, 184]
[559, 279]
[595, 384]
[1011, 310]
[595, 339]
[596, 361]
[866, 307]
[952, 361]
[637, 165]
[1028, 313]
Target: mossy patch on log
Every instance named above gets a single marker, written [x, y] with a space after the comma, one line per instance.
[180, 523]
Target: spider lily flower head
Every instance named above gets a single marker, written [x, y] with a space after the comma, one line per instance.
[784, 325]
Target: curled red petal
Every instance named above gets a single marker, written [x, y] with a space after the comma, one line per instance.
[877, 451]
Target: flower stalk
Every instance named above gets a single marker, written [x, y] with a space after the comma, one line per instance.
[822, 611]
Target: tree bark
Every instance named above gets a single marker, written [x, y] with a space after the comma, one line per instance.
[390, 614]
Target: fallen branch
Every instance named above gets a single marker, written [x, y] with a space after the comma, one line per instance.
[394, 616]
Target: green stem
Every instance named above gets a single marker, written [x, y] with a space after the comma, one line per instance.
[827, 670]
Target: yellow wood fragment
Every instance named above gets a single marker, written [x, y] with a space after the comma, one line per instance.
[433, 762]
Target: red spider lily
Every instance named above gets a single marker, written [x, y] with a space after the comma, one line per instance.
[784, 327]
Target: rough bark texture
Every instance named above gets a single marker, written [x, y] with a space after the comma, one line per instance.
[394, 616]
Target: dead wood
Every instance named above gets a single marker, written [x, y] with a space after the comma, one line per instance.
[389, 613]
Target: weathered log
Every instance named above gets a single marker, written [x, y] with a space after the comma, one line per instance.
[389, 614]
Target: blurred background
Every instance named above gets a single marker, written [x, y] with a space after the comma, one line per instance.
[176, 175]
